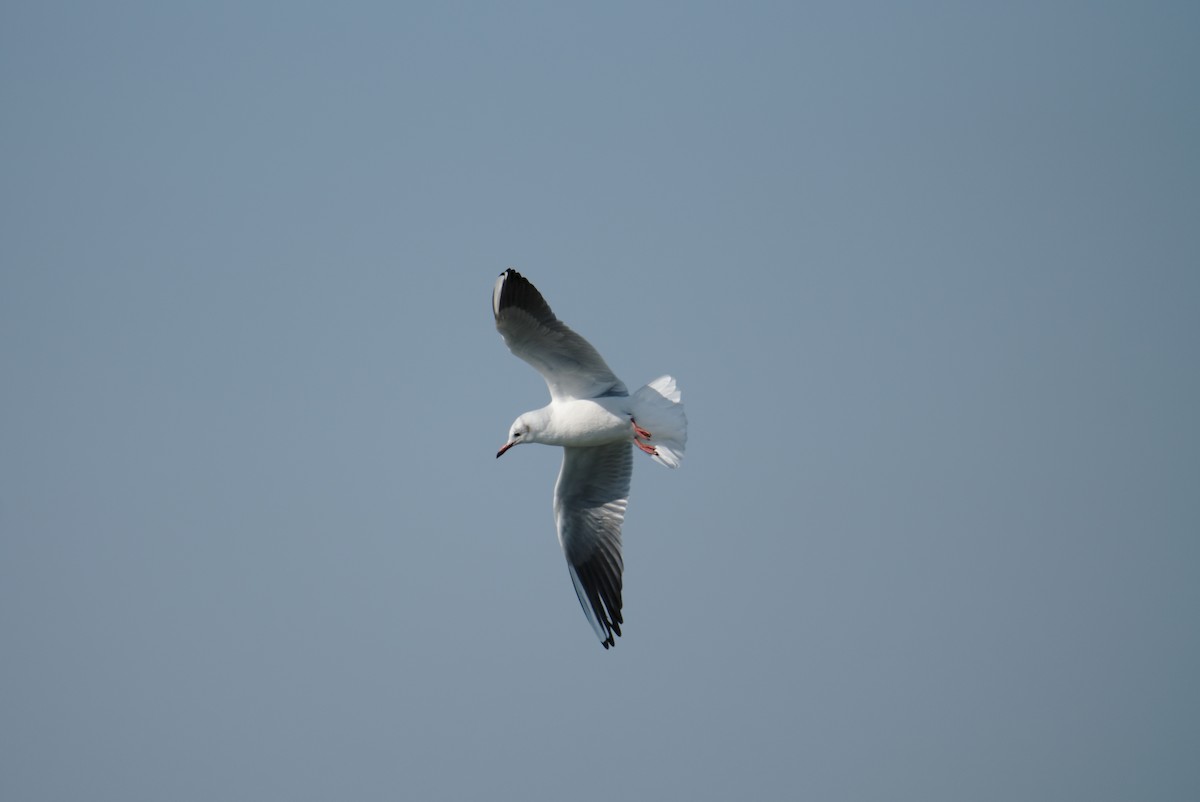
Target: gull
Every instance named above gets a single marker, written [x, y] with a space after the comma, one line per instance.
[597, 423]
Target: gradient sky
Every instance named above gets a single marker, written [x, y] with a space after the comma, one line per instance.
[928, 275]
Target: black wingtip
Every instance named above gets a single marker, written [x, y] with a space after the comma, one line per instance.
[599, 592]
[515, 291]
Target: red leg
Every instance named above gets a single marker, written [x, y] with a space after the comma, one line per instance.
[638, 430]
[651, 450]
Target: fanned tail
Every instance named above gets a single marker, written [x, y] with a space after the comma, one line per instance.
[658, 408]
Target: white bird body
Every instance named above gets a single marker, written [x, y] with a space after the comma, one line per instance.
[581, 422]
[595, 420]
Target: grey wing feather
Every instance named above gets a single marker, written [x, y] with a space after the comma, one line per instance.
[570, 365]
[590, 498]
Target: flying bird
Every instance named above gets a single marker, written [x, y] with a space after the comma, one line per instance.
[598, 423]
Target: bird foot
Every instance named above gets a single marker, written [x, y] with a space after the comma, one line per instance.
[638, 430]
[649, 449]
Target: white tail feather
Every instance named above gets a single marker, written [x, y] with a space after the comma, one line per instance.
[658, 408]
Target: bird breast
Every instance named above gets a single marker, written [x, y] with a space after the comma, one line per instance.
[587, 422]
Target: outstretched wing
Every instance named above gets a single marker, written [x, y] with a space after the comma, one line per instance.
[589, 506]
[570, 365]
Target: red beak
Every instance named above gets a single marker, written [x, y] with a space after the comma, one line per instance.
[504, 448]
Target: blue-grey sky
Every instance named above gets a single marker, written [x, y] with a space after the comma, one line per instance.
[928, 275]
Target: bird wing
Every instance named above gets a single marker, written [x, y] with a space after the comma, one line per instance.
[570, 365]
[589, 506]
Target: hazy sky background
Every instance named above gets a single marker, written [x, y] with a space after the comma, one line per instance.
[928, 275]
